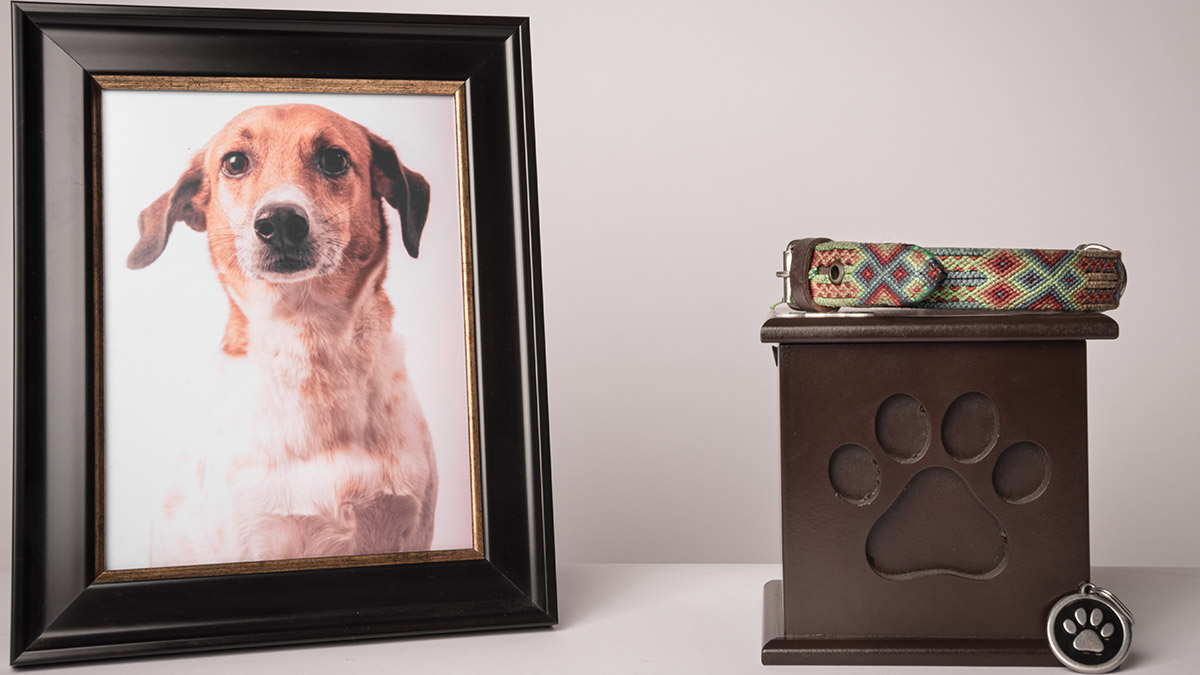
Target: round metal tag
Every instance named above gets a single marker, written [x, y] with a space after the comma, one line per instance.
[1090, 631]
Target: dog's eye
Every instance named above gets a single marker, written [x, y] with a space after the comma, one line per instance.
[235, 164]
[333, 162]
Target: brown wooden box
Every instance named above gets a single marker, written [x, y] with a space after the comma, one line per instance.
[934, 475]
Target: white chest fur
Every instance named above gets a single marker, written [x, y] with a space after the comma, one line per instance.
[318, 447]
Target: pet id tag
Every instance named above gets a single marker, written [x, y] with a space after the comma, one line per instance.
[1090, 631]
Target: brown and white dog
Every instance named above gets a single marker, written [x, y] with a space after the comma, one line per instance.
[326, 451]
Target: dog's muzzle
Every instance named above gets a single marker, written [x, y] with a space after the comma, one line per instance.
[283, 228]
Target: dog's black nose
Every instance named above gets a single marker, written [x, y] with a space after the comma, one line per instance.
[282, 225]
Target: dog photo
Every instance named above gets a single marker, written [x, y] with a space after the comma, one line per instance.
[288, 358]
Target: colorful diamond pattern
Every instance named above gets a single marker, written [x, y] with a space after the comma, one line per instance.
[903, 275]
[881, 275]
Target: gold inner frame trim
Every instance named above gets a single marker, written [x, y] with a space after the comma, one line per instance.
[306, 86]
[299, 85]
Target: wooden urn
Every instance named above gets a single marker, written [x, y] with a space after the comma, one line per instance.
[934, 484]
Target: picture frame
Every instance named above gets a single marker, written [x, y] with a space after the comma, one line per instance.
[66, 606]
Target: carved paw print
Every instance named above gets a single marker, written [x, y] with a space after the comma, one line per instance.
[968, 540]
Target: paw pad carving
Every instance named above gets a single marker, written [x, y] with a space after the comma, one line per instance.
[971, 427]
[903, 429]
[939, 523]
[854, 474]
[975, 546]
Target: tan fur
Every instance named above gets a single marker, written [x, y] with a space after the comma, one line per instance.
[333, 456]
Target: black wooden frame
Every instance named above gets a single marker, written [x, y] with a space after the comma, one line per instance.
[59, 612]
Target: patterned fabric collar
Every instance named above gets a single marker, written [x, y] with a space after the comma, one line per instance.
[850, 274]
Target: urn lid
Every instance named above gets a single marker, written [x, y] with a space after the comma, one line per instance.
[787, 326]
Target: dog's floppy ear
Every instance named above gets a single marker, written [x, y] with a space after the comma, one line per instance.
[406, 190]
[182, 202]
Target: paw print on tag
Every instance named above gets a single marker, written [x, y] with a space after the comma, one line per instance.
[1087, 634]
[1087, 639]
[973, 543]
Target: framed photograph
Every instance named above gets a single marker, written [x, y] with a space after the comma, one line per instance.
[279, 351]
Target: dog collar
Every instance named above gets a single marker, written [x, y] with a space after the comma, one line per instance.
[821, 275]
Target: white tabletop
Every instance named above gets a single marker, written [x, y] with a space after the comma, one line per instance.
[618, 619]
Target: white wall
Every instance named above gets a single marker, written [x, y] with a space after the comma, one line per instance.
[682, 145]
